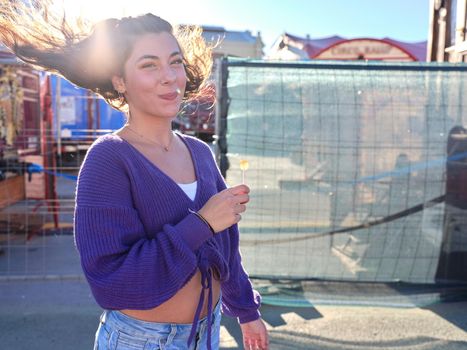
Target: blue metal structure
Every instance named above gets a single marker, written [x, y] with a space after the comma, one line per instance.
[83, 116]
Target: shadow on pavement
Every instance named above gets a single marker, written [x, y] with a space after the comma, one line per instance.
[273, 315]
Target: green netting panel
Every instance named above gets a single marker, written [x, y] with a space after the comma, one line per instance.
[347, 167]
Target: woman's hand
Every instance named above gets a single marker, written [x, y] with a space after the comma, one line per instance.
[223, 209]
[255, 335]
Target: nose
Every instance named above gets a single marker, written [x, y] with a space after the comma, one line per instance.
[168, 75]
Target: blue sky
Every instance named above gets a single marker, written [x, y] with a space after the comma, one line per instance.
[405, 20]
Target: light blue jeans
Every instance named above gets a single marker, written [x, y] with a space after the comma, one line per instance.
[118, 331]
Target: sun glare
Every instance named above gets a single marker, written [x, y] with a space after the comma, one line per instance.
[96, 10]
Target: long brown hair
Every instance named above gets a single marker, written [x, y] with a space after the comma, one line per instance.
[89, 56]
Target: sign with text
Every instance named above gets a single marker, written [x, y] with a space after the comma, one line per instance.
[365, 49]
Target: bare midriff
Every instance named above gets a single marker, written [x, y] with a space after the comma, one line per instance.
[181, 308]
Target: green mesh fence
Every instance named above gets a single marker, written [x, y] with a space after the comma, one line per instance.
[358, 171]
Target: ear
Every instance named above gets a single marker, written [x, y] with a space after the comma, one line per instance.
[118, 83]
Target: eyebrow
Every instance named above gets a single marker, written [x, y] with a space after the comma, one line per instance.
[153, 57]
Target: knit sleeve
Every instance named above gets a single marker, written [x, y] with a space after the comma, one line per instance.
[124, 267]
[239, 299]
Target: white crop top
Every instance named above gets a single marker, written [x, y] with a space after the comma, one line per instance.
[189, 189]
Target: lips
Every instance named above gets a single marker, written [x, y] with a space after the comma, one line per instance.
[169, 97]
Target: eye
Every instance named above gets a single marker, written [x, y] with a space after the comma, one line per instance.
[177, 61]
[149, 65]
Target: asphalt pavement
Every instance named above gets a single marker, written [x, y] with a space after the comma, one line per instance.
[56, 313]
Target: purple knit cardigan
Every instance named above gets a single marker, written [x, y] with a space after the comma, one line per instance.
[137, 240]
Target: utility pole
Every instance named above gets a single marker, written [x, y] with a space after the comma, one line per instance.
[447, 31]
[58, 101]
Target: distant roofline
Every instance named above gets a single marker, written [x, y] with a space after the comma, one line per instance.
[213, 28]
[307, 39]
[6, 57]
[335, 36]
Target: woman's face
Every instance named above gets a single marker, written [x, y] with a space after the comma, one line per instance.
[155, 78]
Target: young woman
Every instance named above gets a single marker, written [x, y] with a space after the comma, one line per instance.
[155, 225]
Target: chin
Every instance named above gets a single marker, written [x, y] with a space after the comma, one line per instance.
[167, 115]
[166, 112]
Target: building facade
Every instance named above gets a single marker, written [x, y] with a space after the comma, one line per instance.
[234, 43]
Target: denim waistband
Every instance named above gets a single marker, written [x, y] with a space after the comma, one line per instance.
[154, 330]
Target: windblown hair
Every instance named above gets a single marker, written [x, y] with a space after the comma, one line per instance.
[89, 55]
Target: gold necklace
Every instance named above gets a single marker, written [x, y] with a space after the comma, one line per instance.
[165, 148]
